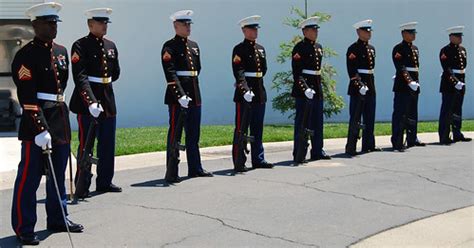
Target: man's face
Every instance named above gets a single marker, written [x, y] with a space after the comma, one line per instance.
[182, 28]
[455, 39]
[46, 30]
[311, 33]
[409, 36]
[364, 34]
[250, 33]
[98, 28]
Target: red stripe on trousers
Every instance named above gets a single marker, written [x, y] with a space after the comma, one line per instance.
[81, 137]
[22, 184]
[238, 128]
[173, 109]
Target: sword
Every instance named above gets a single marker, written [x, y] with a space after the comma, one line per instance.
[71, 191]
[48, 152]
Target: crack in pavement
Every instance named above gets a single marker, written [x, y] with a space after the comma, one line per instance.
[418, 175]
[178, 241]
[349, 194]
[223, 223]
[325, 179]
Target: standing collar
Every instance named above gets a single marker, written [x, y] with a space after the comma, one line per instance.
[246, 41]
[45, 44]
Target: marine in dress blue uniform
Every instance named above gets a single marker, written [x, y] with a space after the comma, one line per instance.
[453, 59]
[95, 68]
[406, 88]
[360, 59]
[249, 65]
[181, 62]
[306, 62]
[40, 73]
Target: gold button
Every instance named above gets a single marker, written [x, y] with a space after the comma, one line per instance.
[105, 74]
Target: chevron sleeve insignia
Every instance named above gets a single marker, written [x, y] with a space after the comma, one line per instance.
[24, 73]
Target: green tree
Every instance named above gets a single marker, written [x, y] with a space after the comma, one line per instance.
[283, 81]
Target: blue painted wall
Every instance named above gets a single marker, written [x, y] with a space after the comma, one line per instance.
[140, 28]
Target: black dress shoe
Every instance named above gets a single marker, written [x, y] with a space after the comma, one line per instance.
[173, 180]
[297, 163]
[28, 239]
[462, 139]
[263, 165]
[73, 227]
[83, 196]
[111, 188]
[351, 153]
[446, 142]
[202, 173]
[322, 156]
[241, 169]
[399, 149]
[417, 143]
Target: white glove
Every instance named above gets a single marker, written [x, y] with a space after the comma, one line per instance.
[248, 96]
[413, 85]
[363, 90]
[95, 109]
[184, 101]
[459, 85]
[309, 93]
[43, 140]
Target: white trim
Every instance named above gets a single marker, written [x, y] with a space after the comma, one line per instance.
[100, 80]
[311, 72]
[50, 97]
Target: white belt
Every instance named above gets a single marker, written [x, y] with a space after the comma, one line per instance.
[187, 73]
[100, 80]
[311, 72]
[459, 71]
[50, 97]
[365, 71]
[254, 74]
[412, 69]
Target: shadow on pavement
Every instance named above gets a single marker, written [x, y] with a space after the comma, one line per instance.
[156, 183]
[290, 163]
[12, 241]
[225, 172]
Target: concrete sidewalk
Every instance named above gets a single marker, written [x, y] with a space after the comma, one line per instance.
[332, 203]
[451, 229]
[10, 154]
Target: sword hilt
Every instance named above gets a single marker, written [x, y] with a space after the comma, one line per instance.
[249, 138]
[309, 132]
